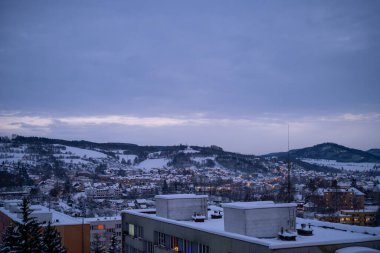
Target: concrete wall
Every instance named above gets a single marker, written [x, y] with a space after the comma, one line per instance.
[162, 207]
[181, 209]
[259, 222]
[234, 220]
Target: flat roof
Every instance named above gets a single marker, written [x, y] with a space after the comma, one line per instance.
[58, 218]
[257, 204]
[180, 196]
[325, 233]
[102, 219]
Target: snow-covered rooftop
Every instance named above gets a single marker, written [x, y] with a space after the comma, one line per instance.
[257, 204]
[324, 233]
[180, 196]
[58, 219]
[95, 219]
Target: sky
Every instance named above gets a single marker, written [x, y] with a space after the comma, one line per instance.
[230, 73]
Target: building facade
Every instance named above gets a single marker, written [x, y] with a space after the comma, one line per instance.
[236, 231]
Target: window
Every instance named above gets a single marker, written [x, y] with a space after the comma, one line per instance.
[174, 243]
[131, 230]
[139, 231]
[203, 248]
[161, 239]
[186, 246]
[148, 247]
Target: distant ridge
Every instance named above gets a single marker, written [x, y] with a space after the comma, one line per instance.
[331, 151]
[326, 151]
[374, 151]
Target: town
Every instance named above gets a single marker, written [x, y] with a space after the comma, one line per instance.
[94, 185]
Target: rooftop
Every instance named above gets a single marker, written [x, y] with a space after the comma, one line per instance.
[257, 204]
[58, 219]
[180, 196]
[325, 233]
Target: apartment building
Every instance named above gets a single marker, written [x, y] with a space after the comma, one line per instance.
[103, 228]
[183, 223]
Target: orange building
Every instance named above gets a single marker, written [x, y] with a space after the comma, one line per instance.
[75, 234]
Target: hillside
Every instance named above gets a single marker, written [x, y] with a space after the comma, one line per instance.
[129, 155]
[331, 151]
[374, 151]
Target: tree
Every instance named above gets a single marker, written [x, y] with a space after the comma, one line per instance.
[24, 237]
[97, 247]
[101, 169]
[52, 240]
[114, 247]
[11, 240]
[31, 240]
[55, 191]
[165, 187]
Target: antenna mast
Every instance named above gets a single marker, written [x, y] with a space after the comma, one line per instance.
[289, 168]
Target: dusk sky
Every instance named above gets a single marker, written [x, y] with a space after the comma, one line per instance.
[229, 73]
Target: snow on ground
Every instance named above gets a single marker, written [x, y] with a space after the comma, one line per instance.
[127, 157]
[149, 164]
[74, 161]
[340, 165]
[11, 157]
[84, 152]
[78, 195]
[189, 150]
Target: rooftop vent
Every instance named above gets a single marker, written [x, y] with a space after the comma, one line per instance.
[305, 230]
[287, 235]
[198, 217]
[216, 215]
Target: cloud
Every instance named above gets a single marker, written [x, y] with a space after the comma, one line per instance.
[15, 121]
[351, 117]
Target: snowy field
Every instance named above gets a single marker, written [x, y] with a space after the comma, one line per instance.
[340, 165]
[84, 152]
[149, 164]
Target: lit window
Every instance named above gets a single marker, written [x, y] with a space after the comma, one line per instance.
[131, 230]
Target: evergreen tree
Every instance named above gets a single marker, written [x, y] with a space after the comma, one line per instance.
[30, 236]
[165, 187]
[52, 240]
[11, 240]
[97, 247]
[114, 247]
[24, 237]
